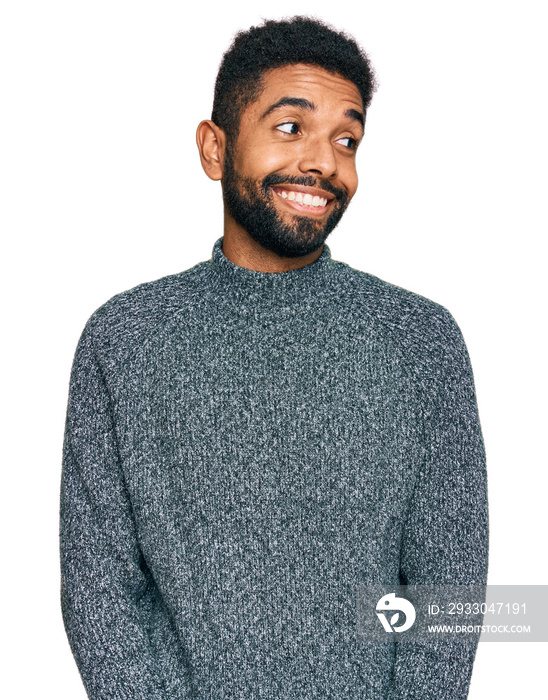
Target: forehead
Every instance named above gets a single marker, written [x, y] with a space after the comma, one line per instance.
[310, 82]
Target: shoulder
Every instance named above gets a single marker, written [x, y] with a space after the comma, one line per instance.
[421, 328]
[127, 319]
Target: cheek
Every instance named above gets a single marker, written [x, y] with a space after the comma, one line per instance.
[349, 176]
[258, 159]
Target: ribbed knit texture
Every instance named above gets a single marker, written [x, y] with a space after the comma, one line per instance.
[242, 450]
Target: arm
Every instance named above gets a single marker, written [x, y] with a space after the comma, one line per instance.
[445, 538]
[109, 600]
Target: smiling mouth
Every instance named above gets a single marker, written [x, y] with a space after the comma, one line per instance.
[304, 201]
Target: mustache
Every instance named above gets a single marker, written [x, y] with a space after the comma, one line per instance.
[304, 181]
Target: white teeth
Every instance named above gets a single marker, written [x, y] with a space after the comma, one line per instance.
[306, 199]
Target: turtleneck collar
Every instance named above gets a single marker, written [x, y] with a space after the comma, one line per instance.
[293, 285]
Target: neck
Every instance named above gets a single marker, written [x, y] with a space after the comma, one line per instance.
[257, 288]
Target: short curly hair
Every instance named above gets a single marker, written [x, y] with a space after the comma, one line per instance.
[278, 43]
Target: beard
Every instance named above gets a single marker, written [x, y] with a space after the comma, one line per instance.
[250, 204]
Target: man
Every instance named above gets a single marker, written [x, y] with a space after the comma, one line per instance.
[250, 440]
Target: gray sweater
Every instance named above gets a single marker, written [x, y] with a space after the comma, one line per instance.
[242, 451]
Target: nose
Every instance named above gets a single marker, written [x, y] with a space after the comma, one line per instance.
[318, 158]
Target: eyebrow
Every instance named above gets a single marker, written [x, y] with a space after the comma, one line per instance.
[302, 103]
[290, 102]
[357, 116]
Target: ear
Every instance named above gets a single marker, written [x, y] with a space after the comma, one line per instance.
[211, 141]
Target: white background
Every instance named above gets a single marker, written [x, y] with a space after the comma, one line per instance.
[101, 189]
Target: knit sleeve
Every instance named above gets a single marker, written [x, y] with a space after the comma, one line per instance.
[107, 592]
[445, 538]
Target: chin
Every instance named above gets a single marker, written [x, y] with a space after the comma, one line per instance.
[289, 242]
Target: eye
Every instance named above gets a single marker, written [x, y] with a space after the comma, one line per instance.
[349, 142]
[288, 127]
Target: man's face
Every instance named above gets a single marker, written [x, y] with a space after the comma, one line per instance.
[292, 172]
